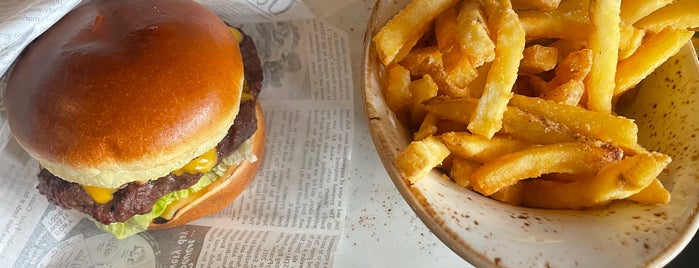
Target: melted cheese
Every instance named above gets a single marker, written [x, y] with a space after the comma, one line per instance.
[100, 195]
[202, 164]
[237, 34]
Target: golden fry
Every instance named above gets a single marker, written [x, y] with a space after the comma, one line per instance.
[682, 14]
[634, 10]
[461, 170]
[616, 130]
[479, 149]
[604, 42]
[535, 129]
[487, 118]
[535, 161]
[397, 92]
[655, 50]
[419, 157]
[454, 109]
[558, 23]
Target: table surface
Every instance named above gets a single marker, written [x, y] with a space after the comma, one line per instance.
[381, 229]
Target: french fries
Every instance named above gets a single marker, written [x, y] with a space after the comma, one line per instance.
[515, 99]
[604, 43]
[617, 180]
[407, 27]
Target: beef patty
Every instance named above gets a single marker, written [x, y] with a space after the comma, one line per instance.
[138, 198]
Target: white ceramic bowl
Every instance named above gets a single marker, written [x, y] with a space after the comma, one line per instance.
[489, 233]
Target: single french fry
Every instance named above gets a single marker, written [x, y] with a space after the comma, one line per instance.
[604, 42]
[683, 14]
[634, 10]
[655, 50]
[614, 129]
[537, 59]
[479, 149]
[461, 170]
[535, 161]
[558, 23]
[617, 180]
[502, 74]
[397, 91]
[407, 26]
[419, 157]
[654, 193]
[457, 66]
[473, 34]
[454, 109]
[535, 129]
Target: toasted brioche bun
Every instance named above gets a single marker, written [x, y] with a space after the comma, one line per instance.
[224, 190]
[106, 97]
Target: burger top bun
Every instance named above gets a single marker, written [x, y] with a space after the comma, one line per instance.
[122, 91]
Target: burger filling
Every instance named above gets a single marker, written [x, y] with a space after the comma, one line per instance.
[132, 207]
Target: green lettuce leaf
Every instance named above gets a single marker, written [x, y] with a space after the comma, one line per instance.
[139, 223]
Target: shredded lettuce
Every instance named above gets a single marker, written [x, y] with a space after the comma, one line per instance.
[139, 223]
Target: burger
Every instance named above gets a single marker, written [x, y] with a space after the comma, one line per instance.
[143, 114]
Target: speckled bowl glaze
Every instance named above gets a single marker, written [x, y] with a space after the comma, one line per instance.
[488, 233]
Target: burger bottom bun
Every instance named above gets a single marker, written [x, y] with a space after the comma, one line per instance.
[224, 190]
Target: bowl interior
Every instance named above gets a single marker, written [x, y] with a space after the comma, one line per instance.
[489, 233]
